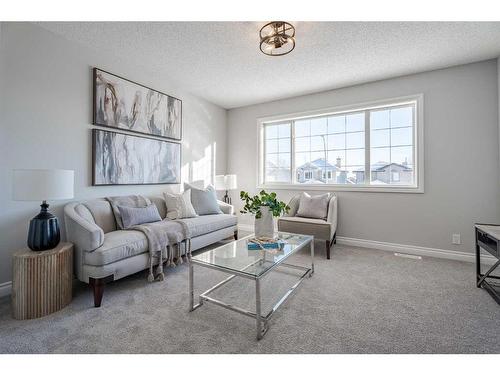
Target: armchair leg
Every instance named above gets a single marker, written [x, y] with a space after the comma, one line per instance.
[98, 288]
[328, 247]
[236, 234]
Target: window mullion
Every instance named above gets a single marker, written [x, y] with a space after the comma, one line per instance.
[367, 149]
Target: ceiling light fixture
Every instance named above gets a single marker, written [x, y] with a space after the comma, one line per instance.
[277, 38]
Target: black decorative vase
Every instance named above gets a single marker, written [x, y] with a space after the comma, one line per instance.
[44, 231]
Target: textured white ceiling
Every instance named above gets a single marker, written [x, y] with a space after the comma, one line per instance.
[221, 61]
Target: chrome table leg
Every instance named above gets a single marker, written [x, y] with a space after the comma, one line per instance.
[192, 306]
[258, 315]
[312, 257]
[191, 287]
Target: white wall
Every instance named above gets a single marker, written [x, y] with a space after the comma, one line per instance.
[461, 157]
[46, 116]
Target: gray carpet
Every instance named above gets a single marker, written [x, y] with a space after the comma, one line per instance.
[361, 301]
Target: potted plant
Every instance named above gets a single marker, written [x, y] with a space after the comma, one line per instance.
[265, 207]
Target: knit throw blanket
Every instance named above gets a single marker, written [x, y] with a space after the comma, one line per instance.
[162, 236]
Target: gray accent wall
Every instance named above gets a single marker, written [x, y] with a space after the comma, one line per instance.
[46, 117]
[461, 121]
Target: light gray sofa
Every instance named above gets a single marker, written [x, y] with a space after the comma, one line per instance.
[325, 230]
[103, 254]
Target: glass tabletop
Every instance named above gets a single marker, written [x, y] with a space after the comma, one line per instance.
[236, 256]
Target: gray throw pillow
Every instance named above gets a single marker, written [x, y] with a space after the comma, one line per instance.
[204, 201]
[139, 215]
[128, 201]
[315, 207]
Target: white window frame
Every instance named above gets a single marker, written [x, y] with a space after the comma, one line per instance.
[418, 147]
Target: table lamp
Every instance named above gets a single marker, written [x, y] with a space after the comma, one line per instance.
[226, 182]
[43, 185]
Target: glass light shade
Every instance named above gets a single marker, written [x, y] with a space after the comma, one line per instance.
[42, 184]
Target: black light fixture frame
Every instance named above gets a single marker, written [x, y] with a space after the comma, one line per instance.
[284, 32]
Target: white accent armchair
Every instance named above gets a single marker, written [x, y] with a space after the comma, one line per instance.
[325, 230]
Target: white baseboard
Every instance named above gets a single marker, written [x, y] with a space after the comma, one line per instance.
[5, 288]
[415, 250]
[407, 249]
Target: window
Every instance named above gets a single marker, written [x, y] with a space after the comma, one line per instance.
[278, 152]
[365, 147]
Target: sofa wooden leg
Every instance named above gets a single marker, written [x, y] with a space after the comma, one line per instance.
[328, 246]
[98, 288]
[236, 234]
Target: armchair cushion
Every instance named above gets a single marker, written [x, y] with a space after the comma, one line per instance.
[320, 229]
[313, 206]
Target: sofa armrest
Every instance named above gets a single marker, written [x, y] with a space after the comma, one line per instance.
[226, 207]
[332, 213]
[85, 235]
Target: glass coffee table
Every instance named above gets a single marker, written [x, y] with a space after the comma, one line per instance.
[237, 260]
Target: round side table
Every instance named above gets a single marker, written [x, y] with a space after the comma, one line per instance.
[42, 281]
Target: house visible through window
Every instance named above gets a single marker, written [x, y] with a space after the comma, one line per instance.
[373, 146]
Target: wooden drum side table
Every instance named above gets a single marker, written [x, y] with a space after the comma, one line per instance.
[42, 281]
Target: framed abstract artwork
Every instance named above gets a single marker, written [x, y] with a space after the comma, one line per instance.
[124, 159]
[123, 104]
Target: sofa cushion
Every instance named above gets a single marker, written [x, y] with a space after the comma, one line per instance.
[204, 200]
[160, 205]
[320, 229]
[179, 205]
[201, 225]
[138, 215]
[128, 201]
[117, 245]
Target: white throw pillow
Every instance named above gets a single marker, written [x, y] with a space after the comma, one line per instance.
[315, 207]
[179, 205]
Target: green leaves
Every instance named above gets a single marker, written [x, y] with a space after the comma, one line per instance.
[253, 204]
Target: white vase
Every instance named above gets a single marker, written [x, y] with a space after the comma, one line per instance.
[264, 227]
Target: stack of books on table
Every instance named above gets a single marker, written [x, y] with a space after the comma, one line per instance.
[268, 243]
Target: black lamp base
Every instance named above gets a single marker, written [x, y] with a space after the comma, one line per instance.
[226, 198]
[44, 233]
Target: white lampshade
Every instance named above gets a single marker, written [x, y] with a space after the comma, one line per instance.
[42, 184]
[227, 182]
[231, 182]
[220, 182]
